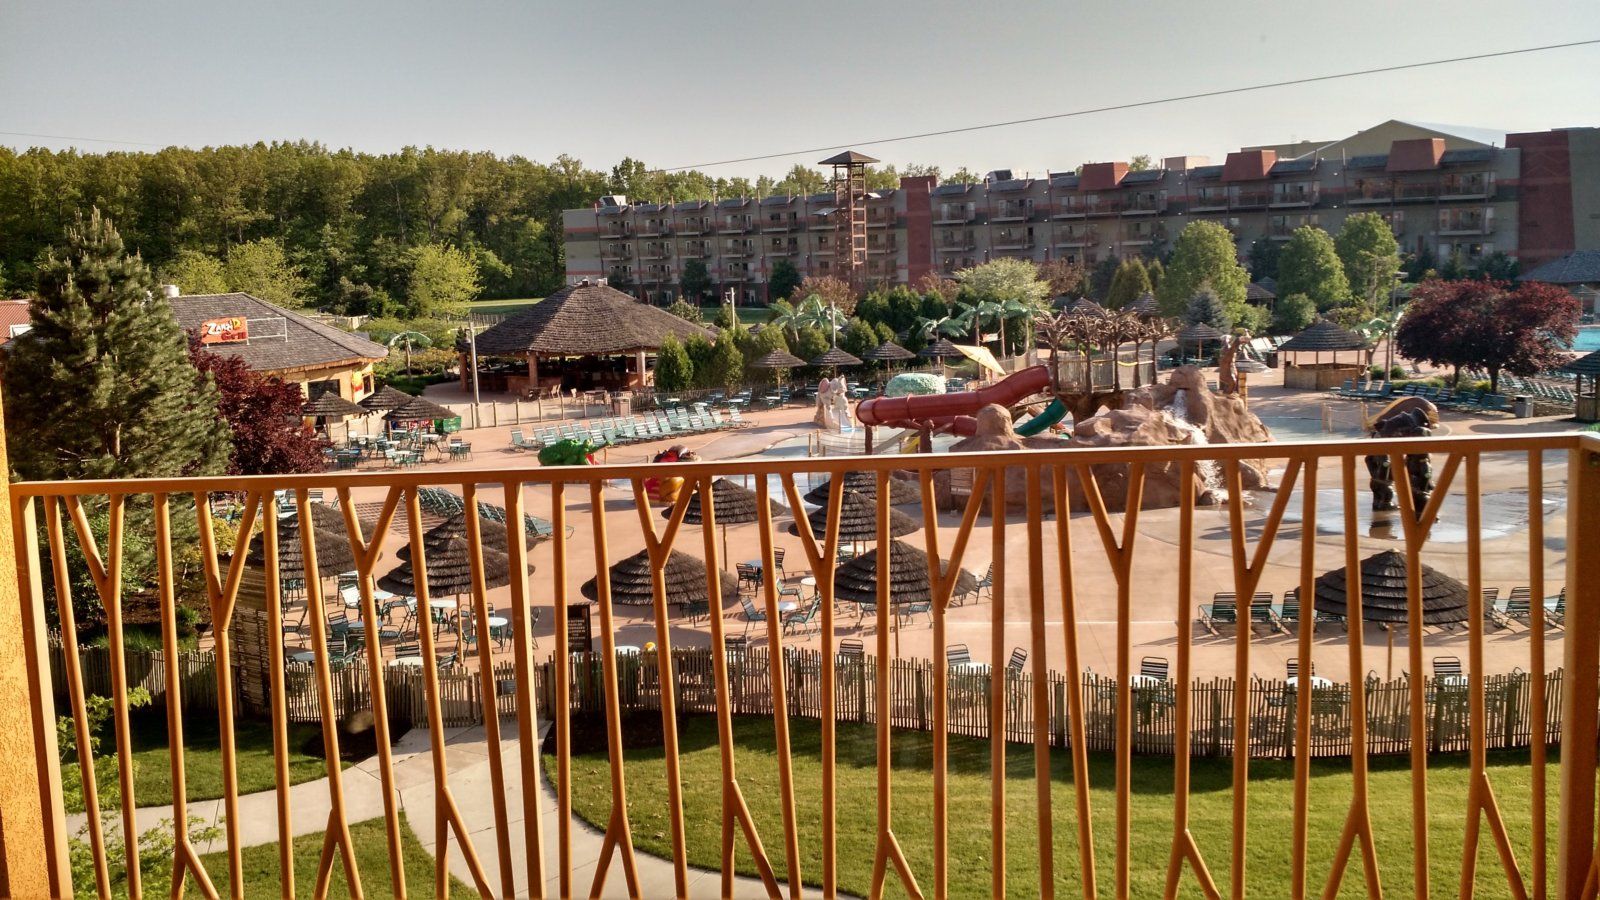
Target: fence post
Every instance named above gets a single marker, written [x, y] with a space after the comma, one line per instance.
[1580, 701]
[33, 836]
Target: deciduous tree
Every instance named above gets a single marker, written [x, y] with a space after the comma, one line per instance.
[696, 281]
[263, 416]
[1293, 314]
[1371, 259]
[673, 369]
[1310, 265]
[195, 273]
[443, 281]
[1488, 325]
[1204, 254]
[262, 268]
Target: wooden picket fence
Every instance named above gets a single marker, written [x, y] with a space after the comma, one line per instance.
[1272, 703]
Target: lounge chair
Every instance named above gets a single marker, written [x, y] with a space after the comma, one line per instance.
[851, 650]
[1019, 658]
[1154, 667]
[1447, 667]
[1262, 612]
[1223, 610]
[749, 613]
[1556, 610]
[957, 655]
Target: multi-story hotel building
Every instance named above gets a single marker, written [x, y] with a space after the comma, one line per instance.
[1535, 196]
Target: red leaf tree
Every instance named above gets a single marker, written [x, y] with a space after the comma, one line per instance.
[269, 435]
[1488, 325]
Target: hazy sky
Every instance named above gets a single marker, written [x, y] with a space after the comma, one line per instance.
[681, 83]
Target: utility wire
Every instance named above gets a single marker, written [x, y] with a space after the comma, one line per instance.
[1141, 103]
[1223, 92]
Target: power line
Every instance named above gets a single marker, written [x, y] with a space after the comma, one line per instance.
[68, 137]
[1139, 103]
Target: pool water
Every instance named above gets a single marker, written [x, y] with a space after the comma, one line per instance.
[1588, 339]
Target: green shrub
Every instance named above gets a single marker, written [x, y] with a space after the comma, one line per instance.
[1397, 372]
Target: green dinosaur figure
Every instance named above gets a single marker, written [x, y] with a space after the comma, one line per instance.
[567, 452]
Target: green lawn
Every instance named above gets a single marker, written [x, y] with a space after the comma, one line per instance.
[202, 757]
[262, 876]
[1271, 812]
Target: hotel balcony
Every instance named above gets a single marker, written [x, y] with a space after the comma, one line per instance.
[881, 218]
[1466, 187]
[955, 218]
[1011, 242]
[1466, 225]
[1143, 206]
[655, 251]
[695, 250]
[1104, 640]
[958, 245]
[1071, 208]
[692, 226]
[789, 249]
[616, 230]
[1284, 199]
[737, 225]
[1078, 239]
[616, 251]
[771, 227]
[1250, 200]
[660, 229]
[1011, 212]
[882, 249]
[1415, 191]
[1210, 203]
[736, 250]
[1144, 238]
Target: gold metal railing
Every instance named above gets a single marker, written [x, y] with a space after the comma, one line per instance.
[1025, 538]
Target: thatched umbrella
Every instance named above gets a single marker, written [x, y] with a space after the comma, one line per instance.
[940, 349]
[889, 351]
[1145, 306]
[449, 574]
[866, 483]
[417, 409]
[836, 358]
[384, 399]
[333, 406]
[1383, 592]
[1323, 336]
[779, 359]
[492, 534]
[329, 535]
[631, 583]
[1197, 334]
[733, 503]
[1083, 306]
[857, 580]
[858, 519]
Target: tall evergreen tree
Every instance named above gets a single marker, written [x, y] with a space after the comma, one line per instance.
[674, 372]
[783, 280]
[1205, 307]
[1129, 284]
[102, 386]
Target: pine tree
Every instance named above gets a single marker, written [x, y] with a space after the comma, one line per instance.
[1129, 284]
[102, 386]
[1207, 308]
[726, 369]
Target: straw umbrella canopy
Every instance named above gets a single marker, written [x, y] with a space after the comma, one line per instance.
[449, 569]
[1383, 592]
[1145, 306]
[857, 580]
[858, 520]
[889, 351]
[685, 576]
[940, 349]
[384, 399]
[836, 358]
[1321, 337]
[1197, 334]
[779, 359]
[329, 536]
[1083, 306]
[333, 406]
[419, 408]
[493, 535]
[735, 505]
[866, 483]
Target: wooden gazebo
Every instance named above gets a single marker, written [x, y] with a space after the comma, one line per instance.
[1587, 408]
[583, 320]
[1322, 337]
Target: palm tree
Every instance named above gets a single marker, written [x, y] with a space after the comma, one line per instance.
[409, 339]
[783, 315]
[1009, 310]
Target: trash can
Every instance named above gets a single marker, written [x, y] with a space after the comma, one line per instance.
[622, 404]
[1522, 406]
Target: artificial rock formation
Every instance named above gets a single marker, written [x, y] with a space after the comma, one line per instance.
[1183, 411]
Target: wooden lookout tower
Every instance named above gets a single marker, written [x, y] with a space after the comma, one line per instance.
[850, 213]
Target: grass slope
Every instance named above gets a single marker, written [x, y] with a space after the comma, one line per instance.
[1270, 812]
[264, 878]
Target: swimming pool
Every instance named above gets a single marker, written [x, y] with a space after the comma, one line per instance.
[1588, 339]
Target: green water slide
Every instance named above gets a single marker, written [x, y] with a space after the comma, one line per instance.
[1051, 414]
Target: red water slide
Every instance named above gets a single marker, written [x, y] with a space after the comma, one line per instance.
[948, 410]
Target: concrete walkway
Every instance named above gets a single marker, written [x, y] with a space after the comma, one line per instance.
[467, 758]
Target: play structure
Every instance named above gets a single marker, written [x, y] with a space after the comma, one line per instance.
[955, 413]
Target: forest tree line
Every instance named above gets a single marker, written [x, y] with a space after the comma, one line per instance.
[345, 229]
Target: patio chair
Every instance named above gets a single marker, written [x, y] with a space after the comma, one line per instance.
[957, 655]
[1019, 659]
[736, 644]
[802, 618]
[1491, 608]
[749, 613]
[777, 564]
[1154, 667]
[1292, 668]
[408, 649]
[911, 610]
[1222, 610]
[852, 650]
[749, 574]
[986, 583]
[1556, 610]
[1447, 667]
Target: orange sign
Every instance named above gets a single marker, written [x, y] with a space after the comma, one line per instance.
[231, 330]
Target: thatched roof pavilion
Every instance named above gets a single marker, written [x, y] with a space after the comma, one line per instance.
[1322, 337]
[494, 535]
[585, 319]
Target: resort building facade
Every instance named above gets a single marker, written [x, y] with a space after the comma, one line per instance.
[1446, 191]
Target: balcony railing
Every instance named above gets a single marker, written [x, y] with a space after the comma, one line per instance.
[1078, 239]
[1011, 212]
[1059, 588]
[1306, 196]
[1210, 203]
[733, 226]
[616, 251]
[1069, 209]
[692, 226]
